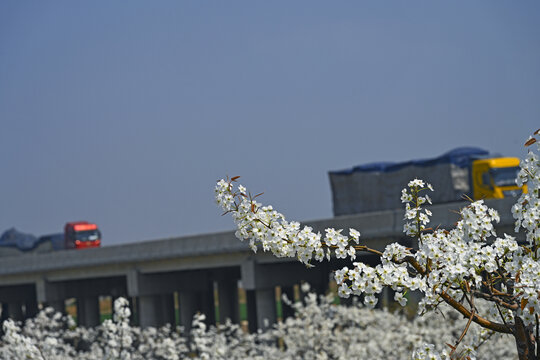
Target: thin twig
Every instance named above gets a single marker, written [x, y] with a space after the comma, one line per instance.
[463, 333]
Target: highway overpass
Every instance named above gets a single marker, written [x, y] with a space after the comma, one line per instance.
[193, 267]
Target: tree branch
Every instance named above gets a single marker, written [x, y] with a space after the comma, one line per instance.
[502, 328]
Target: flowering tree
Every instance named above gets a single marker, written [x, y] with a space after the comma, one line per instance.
[456, 267]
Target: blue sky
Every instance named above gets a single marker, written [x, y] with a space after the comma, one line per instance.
[126, 113]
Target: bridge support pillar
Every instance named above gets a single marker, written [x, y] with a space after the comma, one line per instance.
[88, 311]
[31, 308]
[134, 308]
[187, 302]
[265, 304]
[167, 309]
[191, 302]
[156, 310]
[228, 301]
[14, 310]
[148, 310]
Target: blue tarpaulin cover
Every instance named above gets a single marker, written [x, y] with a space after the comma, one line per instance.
[20, 240]
[377, 186]
[460, 156]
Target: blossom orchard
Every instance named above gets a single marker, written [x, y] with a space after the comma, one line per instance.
[456, 266]
[319, 330]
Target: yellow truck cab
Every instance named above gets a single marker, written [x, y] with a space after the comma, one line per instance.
[495, 178]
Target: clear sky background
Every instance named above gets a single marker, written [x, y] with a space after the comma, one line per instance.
[126, 113]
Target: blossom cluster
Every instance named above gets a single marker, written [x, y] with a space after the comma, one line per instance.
[526, 211]
[262, 225]
[416, 218]
[318, 330]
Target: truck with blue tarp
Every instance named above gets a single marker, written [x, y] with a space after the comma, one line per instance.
[460, 173]
[76, 235]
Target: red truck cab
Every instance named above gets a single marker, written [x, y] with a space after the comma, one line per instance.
[81, 235]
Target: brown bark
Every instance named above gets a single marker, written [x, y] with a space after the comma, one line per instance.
[498, 327]
[524, 341]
